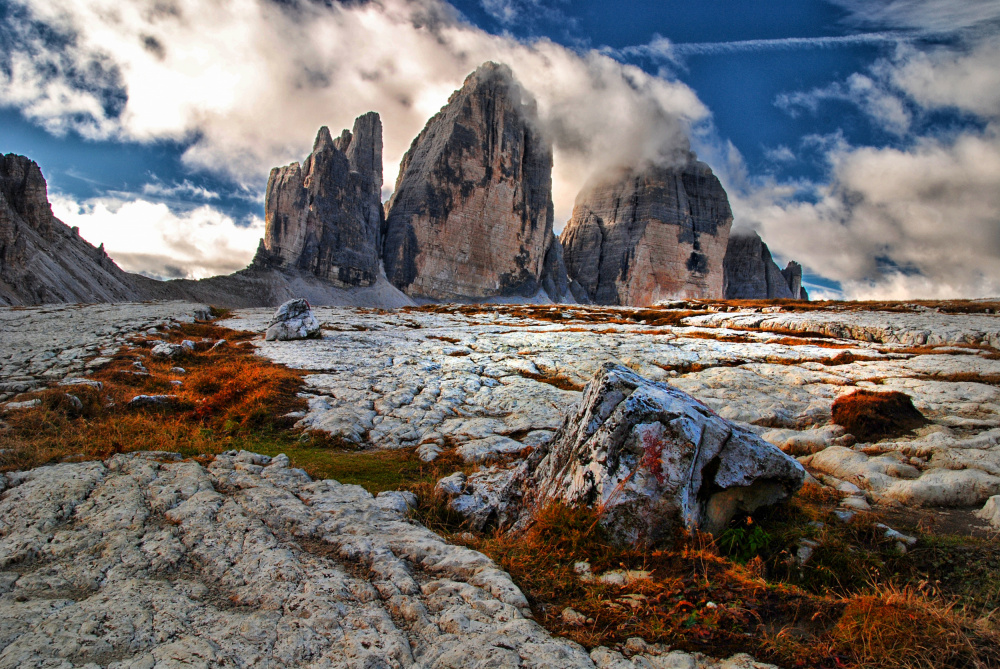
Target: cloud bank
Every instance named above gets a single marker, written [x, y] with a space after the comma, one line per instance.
[918, 220]
[151, 239]
[247, 82]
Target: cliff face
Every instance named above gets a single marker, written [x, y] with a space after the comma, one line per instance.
[41, 259]
[752, 274]
[650, 235]
[325, 217]
[471, 216]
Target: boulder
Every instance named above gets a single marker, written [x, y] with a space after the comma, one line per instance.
[650, 234]
[991, 511]
[653, 459]
[293, 320]
[471, 215]
[750, 272]
[325, 217]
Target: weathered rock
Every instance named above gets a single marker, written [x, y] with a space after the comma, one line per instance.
[293, 320]
[653, 458]
[168, 350]
[751, 274]
[41, 259]
[471, 216]
[651, 234]
[991, 511]
[326, 216]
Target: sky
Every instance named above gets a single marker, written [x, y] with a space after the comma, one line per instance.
[858, 137]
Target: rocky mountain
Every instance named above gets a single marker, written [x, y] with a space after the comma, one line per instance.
[750, 272]
[325, 217]
[649, 234]
[471, 216]
[41, 258]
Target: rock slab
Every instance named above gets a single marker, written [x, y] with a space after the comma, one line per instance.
[653, 459]
[650, 234]
[471, 216]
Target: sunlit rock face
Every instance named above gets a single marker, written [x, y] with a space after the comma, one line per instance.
[471, 216]
[651, 234]
[325, 216]
[751, 273]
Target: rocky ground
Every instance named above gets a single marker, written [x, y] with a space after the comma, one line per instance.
[150, 561]
[495, 381]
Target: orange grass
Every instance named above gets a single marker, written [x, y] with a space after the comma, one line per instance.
[871, 416]
[227, 396]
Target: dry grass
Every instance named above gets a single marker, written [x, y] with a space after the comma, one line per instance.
[871, 416]
[227, 397]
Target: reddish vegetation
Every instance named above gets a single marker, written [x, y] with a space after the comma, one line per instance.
[227, 395]
[871, 416]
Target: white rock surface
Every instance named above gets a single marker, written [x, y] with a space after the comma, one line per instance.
[150, 561]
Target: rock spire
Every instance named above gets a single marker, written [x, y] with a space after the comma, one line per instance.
[471, 216]
[650, 234]
[325, 217]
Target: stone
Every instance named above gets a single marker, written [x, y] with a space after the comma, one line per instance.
[651, 234]
[171, 351]
[326, 217]
[653, 459]
[293, 320]
[143, 401]
[486, 498]
[751, 274]
[991, 511]
[471, 214]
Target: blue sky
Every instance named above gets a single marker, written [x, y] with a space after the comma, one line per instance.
[859, 137]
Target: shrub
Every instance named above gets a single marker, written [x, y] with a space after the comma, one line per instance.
[871, 416]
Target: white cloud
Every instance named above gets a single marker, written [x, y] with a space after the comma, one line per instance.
[185, 189]
[150, 238]
[935, 16]
[883, 105]
[248, 82]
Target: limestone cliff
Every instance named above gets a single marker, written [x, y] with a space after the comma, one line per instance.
[43, 260]
[471, 216]
[651, 234]
[751, 273]
[325, 217]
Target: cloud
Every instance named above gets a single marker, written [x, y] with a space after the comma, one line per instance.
[185, 189]
[152, 239]
[246, 83]
[921, 219]
[882, 105]
[662, 49]
[933, 16]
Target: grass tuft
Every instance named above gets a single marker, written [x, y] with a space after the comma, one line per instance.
[871, 416]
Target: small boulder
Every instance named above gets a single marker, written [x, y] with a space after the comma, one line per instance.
[991, 511]
[652, 458]
[293, 320]
[168, 350]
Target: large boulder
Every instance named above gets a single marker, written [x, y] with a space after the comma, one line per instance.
[471, 216]
[653, 459]
[293, 320]
[650, 234]
[325, 217]
[750, 272]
